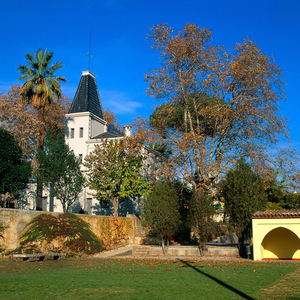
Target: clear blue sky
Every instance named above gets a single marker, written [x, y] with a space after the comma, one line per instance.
[121, 53]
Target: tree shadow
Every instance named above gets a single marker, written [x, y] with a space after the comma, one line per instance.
[27, 198]
[129, 206]
[240, 293]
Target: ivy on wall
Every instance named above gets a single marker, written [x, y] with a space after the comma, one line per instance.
[114, 231]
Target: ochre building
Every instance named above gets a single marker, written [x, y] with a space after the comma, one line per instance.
[276, 235]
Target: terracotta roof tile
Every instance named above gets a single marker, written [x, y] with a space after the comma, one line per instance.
[276, 214]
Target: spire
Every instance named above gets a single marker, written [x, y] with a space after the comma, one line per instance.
[90, 53]
[87, 97]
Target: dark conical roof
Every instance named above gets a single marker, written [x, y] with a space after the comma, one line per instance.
[87, 97]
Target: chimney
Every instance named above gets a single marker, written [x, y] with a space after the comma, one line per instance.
[128, 131]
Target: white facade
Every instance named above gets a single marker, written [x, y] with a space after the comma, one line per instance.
[85, 127]
[81, 128]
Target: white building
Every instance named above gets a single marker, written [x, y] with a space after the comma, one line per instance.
[85, 127]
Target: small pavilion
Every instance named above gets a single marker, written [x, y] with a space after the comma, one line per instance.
[276, 235]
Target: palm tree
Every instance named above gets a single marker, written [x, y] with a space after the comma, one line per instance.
[38, 91]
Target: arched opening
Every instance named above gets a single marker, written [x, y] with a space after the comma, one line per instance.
[280, 243]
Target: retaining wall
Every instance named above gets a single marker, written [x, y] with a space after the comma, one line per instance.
[110, 230]
[194, 251]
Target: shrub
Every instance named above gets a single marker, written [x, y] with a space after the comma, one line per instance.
[71, 233]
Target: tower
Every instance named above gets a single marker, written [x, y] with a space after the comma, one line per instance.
[86, 127]
[85, 121]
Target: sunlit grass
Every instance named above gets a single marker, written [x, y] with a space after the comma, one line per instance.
[142, 279]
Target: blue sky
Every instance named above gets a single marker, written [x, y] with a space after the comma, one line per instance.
[121, 53]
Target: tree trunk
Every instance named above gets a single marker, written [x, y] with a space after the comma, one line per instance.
[4, 200]
[115, 203]
[39, 193]
[65, 207]
[41, 126]
[245, 234]
[163, 245]
[15, 199]
[41, 131]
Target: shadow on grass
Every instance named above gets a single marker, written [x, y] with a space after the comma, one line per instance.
[218, 281]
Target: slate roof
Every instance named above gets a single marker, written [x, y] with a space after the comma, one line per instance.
[87, 97]
[107, 135]
[277, 214]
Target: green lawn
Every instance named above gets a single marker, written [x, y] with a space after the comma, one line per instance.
[148, 279]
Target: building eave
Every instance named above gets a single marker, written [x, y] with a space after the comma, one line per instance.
[84, 114]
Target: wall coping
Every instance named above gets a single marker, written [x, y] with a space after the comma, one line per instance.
[277, 214]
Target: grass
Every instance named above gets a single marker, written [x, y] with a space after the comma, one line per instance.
[148, 279]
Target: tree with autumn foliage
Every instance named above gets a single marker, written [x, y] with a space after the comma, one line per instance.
[114, 172]
[39, 90]
[21, 120]
[215, 105]
[114, 124]
[111, 118]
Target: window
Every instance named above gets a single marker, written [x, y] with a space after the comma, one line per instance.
[72, 133]
[80, 158]
[81, 132]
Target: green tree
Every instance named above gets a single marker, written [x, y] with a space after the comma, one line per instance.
[39, 90]
[295, 200]
[184, 193]
[160, 211]
[114, 172]
[60, 168]
[277, 189]
[14, 170]
[201, 211]
[244, 194]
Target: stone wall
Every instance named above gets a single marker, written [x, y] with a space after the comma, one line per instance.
[110, 230]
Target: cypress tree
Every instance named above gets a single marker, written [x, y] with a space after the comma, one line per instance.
[244, 194]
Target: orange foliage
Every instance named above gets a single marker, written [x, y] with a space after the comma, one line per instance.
[21, 120]
[223, 105]
[115, 231]
[110, 117]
